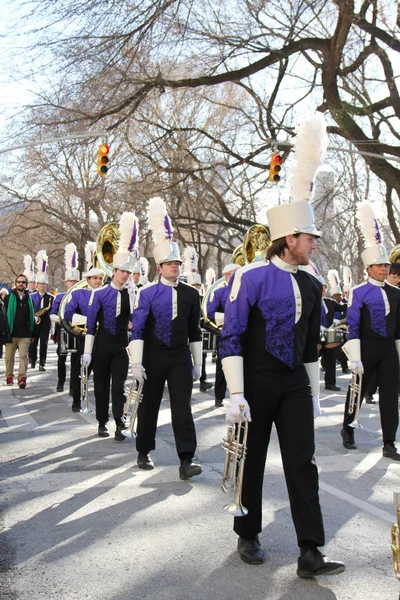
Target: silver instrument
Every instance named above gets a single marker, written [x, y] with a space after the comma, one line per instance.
[232, 478]
[133, 399]
[355, 399]
[84, 389]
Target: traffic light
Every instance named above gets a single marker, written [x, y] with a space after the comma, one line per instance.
[102, 159]
[275, 167]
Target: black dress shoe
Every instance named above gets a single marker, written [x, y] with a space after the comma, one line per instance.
[144, 461]
[348, 439]
[189, 469]
[346, 371]
[205, 386]
[390, 451]
[118, 435]
[219, 403]
[369, 399]
[103, 431]
[32, 365]
[76, 407]
[250, 551]
[41, 368]
[333, 388]
[60, 388]
[314, 563]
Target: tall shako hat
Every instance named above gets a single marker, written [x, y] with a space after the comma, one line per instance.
[210, 277]
[90, 249]
[313, 270]
[191, 261]
[71, 263]
[29, 268]
[347, 279]
[298, 216]
[127, 254]
[375, 253]
[144, 270]
[334, 282]
[41, 267]
[165, 250]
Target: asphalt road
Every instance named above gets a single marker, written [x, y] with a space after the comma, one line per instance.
[80, 520]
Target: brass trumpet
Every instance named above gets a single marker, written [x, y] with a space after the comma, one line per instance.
[133, 399]
[396, 535]
[355, 399]
[232, 478]
[84, 389]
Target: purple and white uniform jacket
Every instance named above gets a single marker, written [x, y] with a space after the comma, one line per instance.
[56, 303]
[78, 303]
[374, 311]
[110, 308]
[273, 316]
[216, 301]
[167, 316]
[42, 301]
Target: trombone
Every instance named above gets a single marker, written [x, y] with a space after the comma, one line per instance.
[84, 376]
[133, 399]
[355, 399]
[232, 478]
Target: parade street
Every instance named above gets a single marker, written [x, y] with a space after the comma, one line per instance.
[80, 520]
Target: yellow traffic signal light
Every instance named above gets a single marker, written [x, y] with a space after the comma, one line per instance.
[102, 159]
[275, 167]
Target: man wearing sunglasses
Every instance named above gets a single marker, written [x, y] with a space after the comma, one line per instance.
[20, 317]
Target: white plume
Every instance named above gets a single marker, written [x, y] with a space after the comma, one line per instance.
[90, 248]
[310, 145]
[159, 221]
[333, 280]
[210, 277]
[369, 225]
[28, 264]
[41, 261]
[144, 266]
[347, 277]
[129, 229]
[71, 257]
[190, 260]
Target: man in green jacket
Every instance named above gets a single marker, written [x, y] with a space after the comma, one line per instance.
[21, 320]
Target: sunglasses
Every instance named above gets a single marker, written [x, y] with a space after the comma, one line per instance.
[24, 282]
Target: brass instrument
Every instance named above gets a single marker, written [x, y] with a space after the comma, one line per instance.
[41, 312]
[133, 399]
[355, 399]
[394, 256]
[396, 535]
[84, 389]
[106, 247]
[232, 478]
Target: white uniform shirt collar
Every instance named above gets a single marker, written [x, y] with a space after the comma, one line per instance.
[169, 283]
[376, 282]
[284, 266]
[116, 287]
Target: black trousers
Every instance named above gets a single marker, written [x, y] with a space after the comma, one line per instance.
[61, 366]
[174, 367]
[41, 334]
[342, 358]
[203, 375]
[330, 365]
[111, 363]
[285, 400]
[380, 360]
[220, 381]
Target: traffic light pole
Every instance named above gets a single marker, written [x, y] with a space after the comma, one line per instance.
[71, 136]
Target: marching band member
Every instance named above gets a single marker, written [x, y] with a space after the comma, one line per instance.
[136, 274]
[373, 318]
[215, 312]
[29, 272]
[42, 303]
[193, 278]
[111, 307]
[144, 272]
[270, 359]
[331, 308]
[166, 317]
[76, 312]
[72, 275]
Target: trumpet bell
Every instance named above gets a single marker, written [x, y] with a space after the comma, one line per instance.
[87, 410]
[129, 434]
[237, 510]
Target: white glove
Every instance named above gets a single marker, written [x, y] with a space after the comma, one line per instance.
[196, 371]
[316, 406]
[232, 414]
[357, 367]
[139, 373]
[86, 360]
[37, 320]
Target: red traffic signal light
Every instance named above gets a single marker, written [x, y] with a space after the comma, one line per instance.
[275, 167]
[102, 159]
